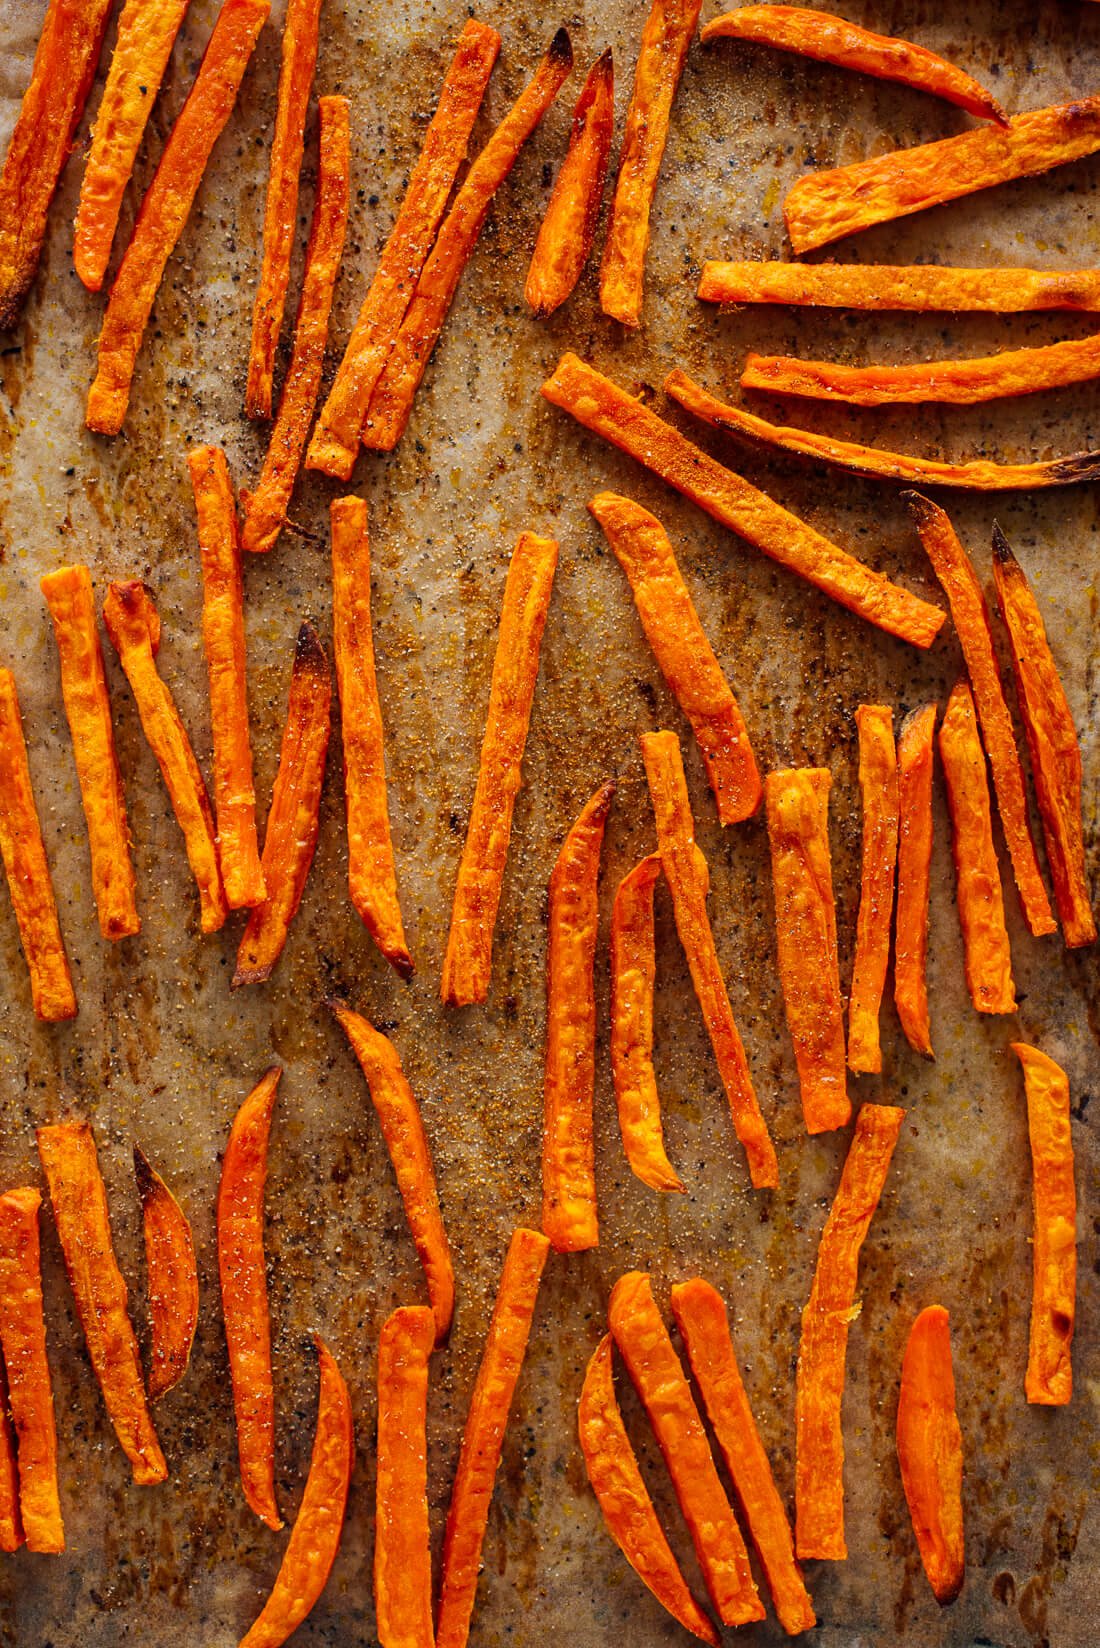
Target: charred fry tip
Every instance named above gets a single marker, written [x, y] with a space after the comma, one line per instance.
[1079, 467]
[561, 49]
[309, 654]
[1002, 552]
[337, 1006]
[402, 965]
[605, 63]
[921, 508]
[143, 1173]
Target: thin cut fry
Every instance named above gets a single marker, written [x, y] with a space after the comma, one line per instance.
[878, 779]
[819, 1478]
[629, 424]
[483, 1437]
[294, 818]
[565, 236]
[797, 802]
[930, 1451]
[83, 1224]
[402, 1541]
[392, 400]
[916, 759]
[683, 652]
[173, 1280]
[1053, 1302]
[918, 286]
[11, 1522]
[30, 1390]
[167, 206]
[569, 1216]
[468, 962]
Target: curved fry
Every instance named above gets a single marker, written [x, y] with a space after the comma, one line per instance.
[930, 1451]
[173, 1279]
[568, 227]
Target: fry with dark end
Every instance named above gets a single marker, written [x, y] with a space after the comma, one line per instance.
[878, 781]
[930, 1452]
[1049, 1378]
[30, 1388]
[916, 760]
[916, 286]
[569, 226]
[402, 1539]
[172, 1278]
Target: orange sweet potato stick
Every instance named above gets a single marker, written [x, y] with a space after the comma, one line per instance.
[797, 803]
[173, 1280]
[668, 32]
[241, 1268]
[315, 1536]
[223, 639]
[407, 1143]
[916, 759]
[634, 428]
[30, 1389]
[971, 615]
[83, 1224]
[683, 652]
[569, 226]
[147, 31]
[468, 962]
[930, 1451]
[878, 779]
[569, 1216]
[917, 286]
[167, 206]
[265, 509]
[133, 624]
[392, 400]
[301, 30]
[11, 1521]
[681, 861]
[700, 1314]
[624, 1498]
[294, 819]
[28, 870]
[372, 875]
[486, 1422]
[1053, 1301]
[819, 1476]
[335, 443]
[1052, 742]
[402, 1540]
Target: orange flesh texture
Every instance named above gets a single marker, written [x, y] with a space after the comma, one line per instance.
[1049, 1378]
[917, 286]
[878, 779]
[30, 1389]
[568, 228]
[402, 1538]
[173, 1280]
[930, 1451]
[916, 759]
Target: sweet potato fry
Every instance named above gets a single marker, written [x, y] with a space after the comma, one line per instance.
[629, 424]
[392, 400]
[565, 236]
[335, 444]
[624, 1499]
[30, 1389]
[167, 206]
[294, 818]
[28, 870]
[265, 509]
[668, 32]
[315, 1536]
[483, 1437]
[83, 1224]
[916, 759]
[930, 1451]
[407, 1143]
[683, 652]
[372, 875]
[11, 1522]
[819, 1476]
[468, 962]
[917, 286]
[1052, 743]
[797, 803]
[134, 627]
[173, 1280]
[147, 31]
[1054, 1295]
[568, 1148]
[402, 1541]
[878, 779]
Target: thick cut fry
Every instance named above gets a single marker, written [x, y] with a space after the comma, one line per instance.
[167, 206]
[569, 1216]
[624, 1499]
[83, 1224]
[11, 1522]
[468, 962]
[335, 444]
[402, 1540]
[241, 1268]
[918, 286]
[878, 781]
[797, 803]
[916, 759]
[1052, 742]
[30, 1390]
[265, 509]
[407, 1143]
[1053, 1301]
[629, 424]
[134, 627]
[483, 1437]
[681, 862]
[668, 32]
[819, 1476]
[147, 31]
[28, 870]
[294, 819]
[315, 1536]
[372, 875]
[565, 236]
[683, 652]
[971, 615]
[392, 400]
[172, 1276]
[930, 1451]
